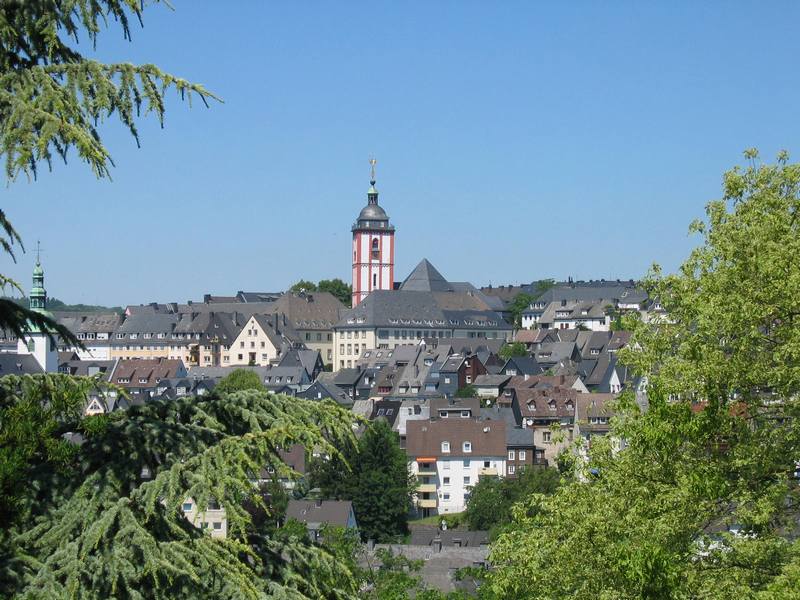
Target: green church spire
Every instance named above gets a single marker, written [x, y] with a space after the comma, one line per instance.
[37, 300]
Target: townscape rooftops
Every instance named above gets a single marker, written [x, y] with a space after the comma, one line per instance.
[419, 309]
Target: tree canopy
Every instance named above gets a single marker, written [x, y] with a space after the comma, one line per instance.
[702, 502]
[238, 380]
[341, 290]
[101, 515]
[374, 475]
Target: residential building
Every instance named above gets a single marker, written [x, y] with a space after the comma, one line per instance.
[263, 339]
[316, 514]
[448, 455]
[141, 376]
[146, 333]
[572, 314]
[550, 412]
[94, 330]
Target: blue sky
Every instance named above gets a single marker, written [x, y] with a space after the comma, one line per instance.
[515, 141]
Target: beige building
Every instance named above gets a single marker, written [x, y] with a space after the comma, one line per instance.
[264, 338]
[213, 520]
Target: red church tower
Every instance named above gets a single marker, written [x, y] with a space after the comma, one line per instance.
[373, 247]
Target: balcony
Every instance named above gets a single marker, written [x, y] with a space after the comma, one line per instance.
[488, 472]
[426, 503]
[426, 487]
[425, 470]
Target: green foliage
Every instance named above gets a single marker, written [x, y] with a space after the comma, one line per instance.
[303, 286]
[105, 520]
[518, 305]
[492, 498]
[717, 447]
[341, 290]
[513, 349]
[375, 477]
[239, 379]
[468, 391]
[56, 305]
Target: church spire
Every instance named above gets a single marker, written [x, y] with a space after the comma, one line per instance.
[372, 192]
[38, 296]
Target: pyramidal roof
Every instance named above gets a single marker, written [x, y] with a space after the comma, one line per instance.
[425, 278]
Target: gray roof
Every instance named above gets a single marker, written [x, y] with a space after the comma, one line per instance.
[334, 512]
[88, 367]
[89, 322]
[419, 309]
[425, 278]
[145, 321]
[424, 536]
[491, 380]
[12, 363]
[624, 291]
[322, 390]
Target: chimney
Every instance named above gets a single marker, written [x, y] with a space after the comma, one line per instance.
[206, 298]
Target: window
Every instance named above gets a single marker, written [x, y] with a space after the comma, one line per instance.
[445, 447]
[445, 481]
[466, 463]
[446, 465]
[447, 380]
[465, 414]
[522, 454]
[217, 525]
[512, 455]
[511, 469]
[546, 437]
[466, 479]
[341, 348]
[241, 344]
[469, 378]
[187, 506]
[487, 464]
[445, 496]
[443, 414]
[374, 280]
[240, 357]
[467, 446]
[263, 345]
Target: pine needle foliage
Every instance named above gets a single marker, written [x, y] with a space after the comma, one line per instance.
[53, 99]
[107, 521]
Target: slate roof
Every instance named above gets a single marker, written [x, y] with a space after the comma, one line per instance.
[89, 322]
[438, 310]
[595, 291]
[425, 278]
[258, 296]
[524, 365]
[87, 368]
[333, 512]
[424, 535]
[145, 321]
[12, 363]
[322, 390]
[489, 380]
[387, 409]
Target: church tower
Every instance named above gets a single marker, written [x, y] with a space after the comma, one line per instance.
[373, 247]
[37, 341]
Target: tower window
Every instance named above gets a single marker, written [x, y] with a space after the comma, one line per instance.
[375, 248]
[374, 280]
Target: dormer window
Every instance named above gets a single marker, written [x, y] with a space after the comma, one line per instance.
[552, 404]
[142, 379]
[569, 404]
[445, 447]
[467, 447]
